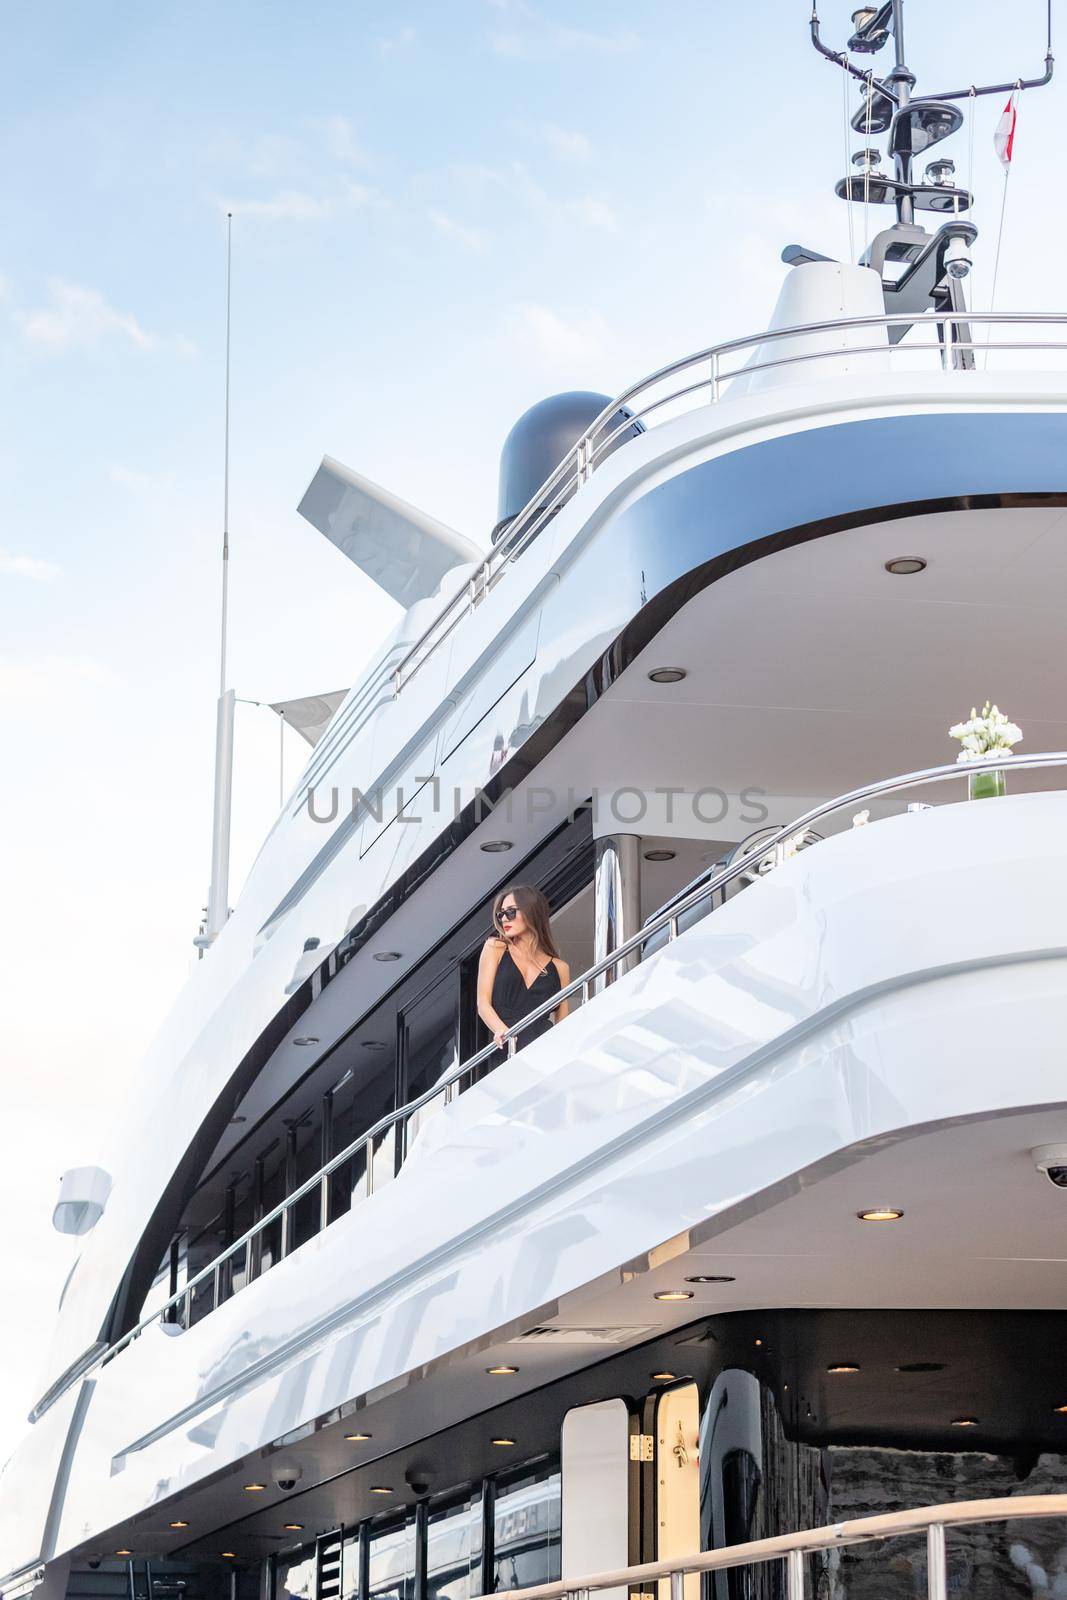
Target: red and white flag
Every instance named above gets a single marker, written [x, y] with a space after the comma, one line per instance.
[1004, 137]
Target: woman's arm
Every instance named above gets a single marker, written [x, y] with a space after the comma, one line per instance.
[563, 1009]
[488, 961]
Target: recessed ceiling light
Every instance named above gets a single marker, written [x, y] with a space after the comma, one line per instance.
[905, 566]
[1061, 1411]
[922, 1366]
[965, 1422]
[292, 1527]
[124, 1552]
[380, 1488]
[880, 1214]
[495, 847]
[502, 1441]
[387, 955]
[662, 1377]
[228, 1555]
[254, 1488]
[357, 1438]
[659, 855]
[673, 1294]
[179, 1524]
[710, 1277]
[501, 1372]
[235, 1120]
[306, 1038]
[758, 1343]
[375, 1044]
[844, 1366]
[667, 675]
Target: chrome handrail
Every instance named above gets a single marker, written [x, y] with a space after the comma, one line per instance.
[581, 461]
[793, 1548]
[776, 844]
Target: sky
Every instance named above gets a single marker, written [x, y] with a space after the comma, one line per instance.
[441, 213]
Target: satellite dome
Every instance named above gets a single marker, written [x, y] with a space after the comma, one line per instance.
[542, 437]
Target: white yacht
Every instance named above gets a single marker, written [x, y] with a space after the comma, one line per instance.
[767, 1237]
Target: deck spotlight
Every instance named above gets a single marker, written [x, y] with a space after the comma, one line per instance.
[386, 955]
[667, 675]
[905, 566]
[673, 1294]
[496, 847]
[659, 855]
[880, 1214]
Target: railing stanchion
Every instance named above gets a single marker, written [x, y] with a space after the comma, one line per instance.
[714, 376]
[512, 1045]
[324, 1201]
[284, 1246]
[672, 929]
[369, 1148]
[936, 1567]
[678, 1586]
[794, 1575]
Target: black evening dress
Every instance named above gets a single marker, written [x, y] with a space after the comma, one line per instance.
[512, 1000]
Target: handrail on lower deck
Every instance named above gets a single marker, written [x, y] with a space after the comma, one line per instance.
[612, 965]
[793, 1548]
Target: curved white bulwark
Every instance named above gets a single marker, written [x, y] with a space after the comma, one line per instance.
[822, 1027]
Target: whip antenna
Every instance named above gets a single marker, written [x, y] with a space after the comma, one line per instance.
[218, 895]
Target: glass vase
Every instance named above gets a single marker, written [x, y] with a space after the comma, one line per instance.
[986, 785]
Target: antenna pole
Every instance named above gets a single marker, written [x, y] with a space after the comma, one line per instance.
[218, 909]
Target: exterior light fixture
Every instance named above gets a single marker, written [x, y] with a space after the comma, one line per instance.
[306, 1039]
[228, 1555]
[1061, 1411]
[357, 1438]
[905, 566]
[965, 1422]
[502, 1441]
[662, 1377]
[386, 955]
[710, 1277]
[292, 1527]
[124, 1552]
[659, 855]
[880, 1214]
[375, 1044]
[501, 1372]
[667, 675]
[179, 1524]
[844, 1366]
[496, 847]
[254, 1488]
[673, 1294]
[380, 1488]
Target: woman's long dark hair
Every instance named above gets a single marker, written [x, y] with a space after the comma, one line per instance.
[535, 908]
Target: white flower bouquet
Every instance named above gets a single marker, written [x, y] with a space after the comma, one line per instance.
[985, 735]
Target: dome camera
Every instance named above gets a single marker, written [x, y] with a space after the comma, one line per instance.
[287, 1474]
[1051, 1159]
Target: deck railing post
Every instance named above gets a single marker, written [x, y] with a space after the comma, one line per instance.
[794, 1575]
[936, 1568]
[677, 1586]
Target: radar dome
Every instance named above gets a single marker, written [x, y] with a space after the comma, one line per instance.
[542, 437]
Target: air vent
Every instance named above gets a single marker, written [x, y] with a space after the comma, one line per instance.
[546, 1334]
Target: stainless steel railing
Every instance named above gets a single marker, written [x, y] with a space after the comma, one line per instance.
[218, 1273]
[952, 341]
[794, 1549]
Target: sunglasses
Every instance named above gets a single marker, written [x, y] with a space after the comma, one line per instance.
[506, 913]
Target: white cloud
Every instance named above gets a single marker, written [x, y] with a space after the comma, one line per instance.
[557, 342]
[32, 680]
[299, 205]
[343, 144]
[140, 482]
[21, 566]
[566, 143]
[80, 316]
[534, 37]
[391, 43]
[594, 213]
[470, 238]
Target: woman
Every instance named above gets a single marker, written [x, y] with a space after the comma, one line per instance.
[520, 967]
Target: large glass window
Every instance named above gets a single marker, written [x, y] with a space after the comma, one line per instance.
[430, 1045]
[454, 1551]
[526, 1522]
[392, 1562]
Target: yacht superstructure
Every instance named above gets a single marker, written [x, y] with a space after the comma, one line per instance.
[767, 1233]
